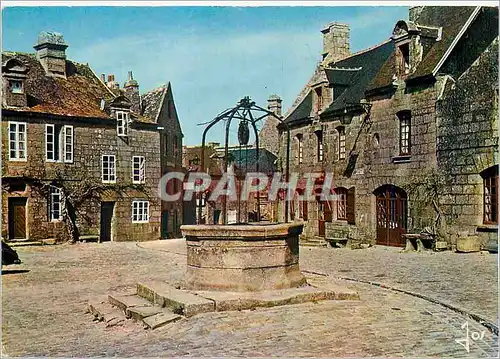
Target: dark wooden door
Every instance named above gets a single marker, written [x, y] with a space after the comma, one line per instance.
[107, 209]
[324, 215]
[392, 216]
[17, 218]
[164, 224]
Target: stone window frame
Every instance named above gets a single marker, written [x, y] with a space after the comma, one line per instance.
[138, 169]
[404, 124]
[59, 140]
[490, 195]
[54, 204]
[320, 153]
[319, 98]
[140, 211]
[122, 123]
[341, 144]
[109, 170]
[18, 135]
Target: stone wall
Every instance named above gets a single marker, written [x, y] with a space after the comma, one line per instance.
[467, 142]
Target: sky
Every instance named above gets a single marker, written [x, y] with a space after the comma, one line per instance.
[213, 56]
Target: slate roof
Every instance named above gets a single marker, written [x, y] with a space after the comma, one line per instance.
[301, 113]
[78, 95]
[367, 63]
[247, 160]
[452, 19]
[152, 102]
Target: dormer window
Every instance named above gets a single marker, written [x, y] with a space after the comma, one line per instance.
[122, 121]
[404, 57]
[16, 86]
[319, 99]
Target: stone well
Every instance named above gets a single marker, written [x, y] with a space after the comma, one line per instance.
[243, 257]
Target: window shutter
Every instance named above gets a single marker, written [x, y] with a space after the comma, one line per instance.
[350, 206]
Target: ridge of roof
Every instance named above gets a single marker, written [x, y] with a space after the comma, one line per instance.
[361, 52]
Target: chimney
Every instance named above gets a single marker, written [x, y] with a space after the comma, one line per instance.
[51, 53]
[112, 84]
[269, 135]
[103, 78]
[335, 42]
[132, 92]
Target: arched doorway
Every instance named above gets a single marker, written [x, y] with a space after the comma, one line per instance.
[392, 215]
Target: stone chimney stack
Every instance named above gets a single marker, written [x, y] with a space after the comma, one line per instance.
[51, 53]
[132, 92]
[335, 42]
[269, 135]
[112, 84]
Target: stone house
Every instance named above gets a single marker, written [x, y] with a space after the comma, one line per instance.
[407, 127]
[82, 158]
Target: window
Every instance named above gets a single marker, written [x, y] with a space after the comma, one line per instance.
[138, 169]
[17, 141]
[108, 169]
[59, 143]
[304, 212]
[404, 132]
[341, 203]
[300, 149]
[175, 147]
[122, 120]
[140, 211]
[16, 86]
[54, 204]
[490, 196]
[319, 136]
[341, 131]
[404, 56]
[319, 99]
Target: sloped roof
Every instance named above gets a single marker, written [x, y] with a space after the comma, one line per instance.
[367, 63]
[302, 111]
[452, 19]
[246, 159]
[152, 102]
[78, 95]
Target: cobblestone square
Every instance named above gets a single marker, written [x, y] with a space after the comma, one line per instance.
[44, 306]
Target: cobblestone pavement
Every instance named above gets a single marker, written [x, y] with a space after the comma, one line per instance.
[44, 308]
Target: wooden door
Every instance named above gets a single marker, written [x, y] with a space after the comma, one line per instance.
[392, 215]
[17, 218]
[324, 215]
[107, 209]
[164, 224]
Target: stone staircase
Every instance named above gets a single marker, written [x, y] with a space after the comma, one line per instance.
[315, 241]
[117, 308]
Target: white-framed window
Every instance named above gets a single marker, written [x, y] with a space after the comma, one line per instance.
[404, 132]
[108, 168]
[122, 120]
[341, 131]
[59, 143]
[140, 211]
[54, 204]
[17, 141]
[138, 169]
[16, 86]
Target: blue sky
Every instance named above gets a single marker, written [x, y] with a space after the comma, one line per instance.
[213, 56]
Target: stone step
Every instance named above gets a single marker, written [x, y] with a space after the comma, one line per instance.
[313, 244]
[105, 312]
[179, 301]
[127, 301]
[160, 319]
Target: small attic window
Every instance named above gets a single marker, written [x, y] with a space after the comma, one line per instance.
[405, 58]
[16, 86]
[122, 122]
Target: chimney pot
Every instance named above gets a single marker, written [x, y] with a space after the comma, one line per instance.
[103, 78]
[111, 78]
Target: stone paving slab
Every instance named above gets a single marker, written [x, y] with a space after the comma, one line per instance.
[161, 319]
[42, 307]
